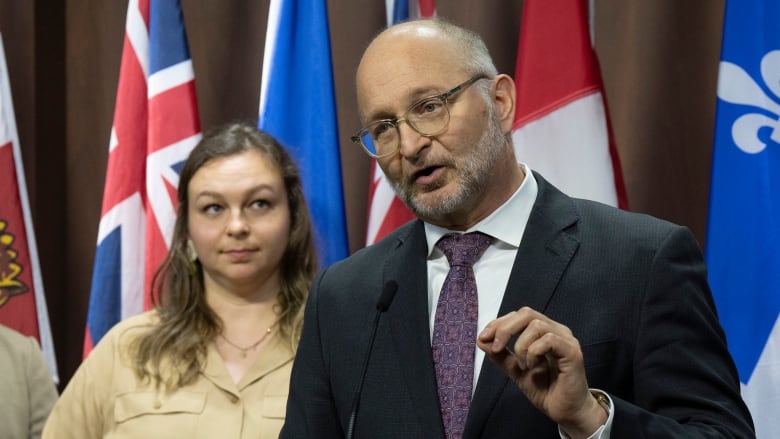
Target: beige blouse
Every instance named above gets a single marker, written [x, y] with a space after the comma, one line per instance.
[105, 400]
[27, 391]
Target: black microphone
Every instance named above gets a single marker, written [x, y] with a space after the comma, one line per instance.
[388, 293]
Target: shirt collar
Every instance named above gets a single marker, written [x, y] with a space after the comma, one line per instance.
[276, 353]
[506, 224]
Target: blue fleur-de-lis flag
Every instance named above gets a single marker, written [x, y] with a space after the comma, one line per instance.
[743, 242]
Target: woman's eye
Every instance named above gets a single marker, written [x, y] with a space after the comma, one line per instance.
[260, 204]
[212, 208]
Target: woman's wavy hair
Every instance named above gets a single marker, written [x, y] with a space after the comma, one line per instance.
[171, 352]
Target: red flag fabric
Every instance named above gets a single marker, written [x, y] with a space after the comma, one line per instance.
[426, 8]
[386, 211]
[22, 299]
[155, 127]
[561, 124]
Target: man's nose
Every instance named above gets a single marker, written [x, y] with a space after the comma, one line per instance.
[410, 141]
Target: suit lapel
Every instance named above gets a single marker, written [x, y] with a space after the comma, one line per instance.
[546, 249]
[545, 252]
[408, 317]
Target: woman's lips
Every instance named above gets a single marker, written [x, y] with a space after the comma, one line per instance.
[239, 253]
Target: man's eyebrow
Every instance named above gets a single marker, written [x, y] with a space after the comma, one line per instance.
[378, 115]
[412, 98]
[421, 93]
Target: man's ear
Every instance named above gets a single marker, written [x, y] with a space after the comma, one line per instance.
[504, 100]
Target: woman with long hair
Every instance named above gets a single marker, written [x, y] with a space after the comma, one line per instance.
[213, 358]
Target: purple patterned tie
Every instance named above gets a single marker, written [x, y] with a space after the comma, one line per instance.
[455, 329]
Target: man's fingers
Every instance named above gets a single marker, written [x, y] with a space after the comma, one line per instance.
[510, 345]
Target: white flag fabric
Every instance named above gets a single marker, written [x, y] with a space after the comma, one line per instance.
[561, 126]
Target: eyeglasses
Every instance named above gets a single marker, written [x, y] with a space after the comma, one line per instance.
[429, 117]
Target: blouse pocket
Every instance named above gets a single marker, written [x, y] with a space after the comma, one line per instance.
[274, 406]
[272, 411]
[134, 405]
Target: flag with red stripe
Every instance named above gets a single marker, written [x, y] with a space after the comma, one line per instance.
[386, 211]
[22, 299]
[155, 127]
[561, 126]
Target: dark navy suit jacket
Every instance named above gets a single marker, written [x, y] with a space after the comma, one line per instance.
[632, 289]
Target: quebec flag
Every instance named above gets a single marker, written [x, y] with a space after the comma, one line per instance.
[743, 242]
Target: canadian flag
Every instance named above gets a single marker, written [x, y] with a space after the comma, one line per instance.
[22, 300]
[561, 125]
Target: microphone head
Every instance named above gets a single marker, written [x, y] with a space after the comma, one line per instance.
[388, 293]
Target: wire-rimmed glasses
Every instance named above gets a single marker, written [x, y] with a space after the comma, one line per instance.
[428, 116]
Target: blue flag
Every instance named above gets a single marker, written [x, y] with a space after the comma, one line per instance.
[743, 242]
[298, 107]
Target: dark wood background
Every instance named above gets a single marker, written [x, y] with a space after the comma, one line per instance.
[659, 62]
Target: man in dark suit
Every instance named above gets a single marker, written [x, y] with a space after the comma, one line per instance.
[607, 327]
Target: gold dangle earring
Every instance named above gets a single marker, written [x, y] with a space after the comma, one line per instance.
[192, 255]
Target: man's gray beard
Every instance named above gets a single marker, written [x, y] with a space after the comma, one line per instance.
[474, 173]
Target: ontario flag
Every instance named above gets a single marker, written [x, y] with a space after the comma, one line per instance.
[561, 124]
[743, 233]
[298, 107]
[386, 211]
[22, 300]
[156, 125]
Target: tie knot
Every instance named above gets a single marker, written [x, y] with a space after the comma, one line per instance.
[464, 249]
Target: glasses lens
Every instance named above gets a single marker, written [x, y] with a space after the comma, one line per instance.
[368, 143]
[430, 116]
[381, 137]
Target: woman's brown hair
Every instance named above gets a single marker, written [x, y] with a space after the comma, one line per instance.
[172, 351]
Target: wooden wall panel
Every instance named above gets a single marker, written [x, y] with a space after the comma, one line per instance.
[95, 34]
[660, 77]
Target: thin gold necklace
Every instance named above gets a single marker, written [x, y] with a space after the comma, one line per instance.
[245, 350]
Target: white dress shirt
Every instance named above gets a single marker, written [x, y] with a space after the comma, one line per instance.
[506, 225]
